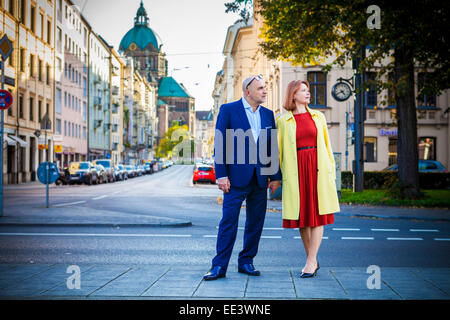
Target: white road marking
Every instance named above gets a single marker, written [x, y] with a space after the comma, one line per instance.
[357, 238]
[442, 239]
[270, 237]
[100, 197]
[68, 203]
[96, 235]
[423, 230]
[346, 229]
[298, 237]
[404, 238]
[210, 236]
[387, 230]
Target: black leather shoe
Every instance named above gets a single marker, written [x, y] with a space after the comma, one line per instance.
[310, 275]
[216, 272]
[248, 269]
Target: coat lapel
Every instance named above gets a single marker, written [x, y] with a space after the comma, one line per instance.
[241, 112]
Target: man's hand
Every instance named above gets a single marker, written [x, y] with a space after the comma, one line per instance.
[274, 185]
[224, 184]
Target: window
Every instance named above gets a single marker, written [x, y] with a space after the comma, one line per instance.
[49, 32]
[371, 92]
[372, 115]
[427, 148]
[370, 149]
[39, 110]
[31, 65]
[84, 112]
[47, 71]
[65, 128]
[22, 60]
[41, 16]
[11, 6]
[33, 18]
[424, 96]
[58, 101]
[392, 151]
[40, 69]
[317, 87]
[431, 115]
[21, 106]
[31, 109]
[65, 99]
[58, 126]
[84, 87]
[22, 11]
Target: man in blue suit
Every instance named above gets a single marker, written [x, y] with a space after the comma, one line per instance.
[243, 133]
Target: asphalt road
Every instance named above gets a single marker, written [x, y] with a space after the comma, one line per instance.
[349, 242]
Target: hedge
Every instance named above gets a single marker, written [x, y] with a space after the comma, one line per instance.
[385, 179]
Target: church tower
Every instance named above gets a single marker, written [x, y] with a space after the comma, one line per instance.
[144, 46]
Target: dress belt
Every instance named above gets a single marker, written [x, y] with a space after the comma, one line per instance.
[303, 148]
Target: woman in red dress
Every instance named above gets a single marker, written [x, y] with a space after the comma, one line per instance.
[310, 219]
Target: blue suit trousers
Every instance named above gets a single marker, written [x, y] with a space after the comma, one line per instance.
[256, 205]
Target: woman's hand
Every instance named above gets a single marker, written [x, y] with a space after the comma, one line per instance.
[274, 185]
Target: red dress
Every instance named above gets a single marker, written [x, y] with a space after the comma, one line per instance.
[306, 136]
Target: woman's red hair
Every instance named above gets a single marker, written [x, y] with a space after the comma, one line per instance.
[292, 88]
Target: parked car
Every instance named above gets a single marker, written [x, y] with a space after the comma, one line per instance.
[147, 168]
[124, 171]
[102, 174]
[139, 170]
[107, 164]
[82, 172]
[130, 171]
[118, 174]
[204, 173]
[424, 166]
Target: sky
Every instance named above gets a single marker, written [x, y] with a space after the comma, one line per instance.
[192, 32]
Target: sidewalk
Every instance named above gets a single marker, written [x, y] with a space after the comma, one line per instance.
[84, 216]
[185, 282]
[383, 212]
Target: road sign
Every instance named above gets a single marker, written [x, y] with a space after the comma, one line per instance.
[6, 47]
[6, 99]
[44, 175]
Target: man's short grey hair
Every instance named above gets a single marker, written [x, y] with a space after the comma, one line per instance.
[247, 81]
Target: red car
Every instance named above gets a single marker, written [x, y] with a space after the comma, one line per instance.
[204, 173]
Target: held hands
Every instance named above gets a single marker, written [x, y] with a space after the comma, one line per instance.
[224, 184]
[273, 186]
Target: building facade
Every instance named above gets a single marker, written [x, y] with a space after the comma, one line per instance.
[29, 75]
[99, 102]
[71, 84]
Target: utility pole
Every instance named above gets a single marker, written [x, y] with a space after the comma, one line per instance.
[358, 163]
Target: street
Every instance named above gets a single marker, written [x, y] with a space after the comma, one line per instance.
[349, 242]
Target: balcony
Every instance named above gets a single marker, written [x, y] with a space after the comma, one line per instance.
[97, 123]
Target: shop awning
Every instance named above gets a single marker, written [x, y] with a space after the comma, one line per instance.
[9, 141]
[22, 143]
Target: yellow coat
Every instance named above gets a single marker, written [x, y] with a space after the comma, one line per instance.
[326, 185]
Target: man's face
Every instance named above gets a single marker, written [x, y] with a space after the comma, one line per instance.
[257, 91]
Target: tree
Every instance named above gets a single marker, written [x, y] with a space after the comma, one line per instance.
[175, 135]
[410, 37]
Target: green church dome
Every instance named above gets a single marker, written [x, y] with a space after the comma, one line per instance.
[141, 34]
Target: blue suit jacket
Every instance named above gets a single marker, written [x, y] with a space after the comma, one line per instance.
[232, 116]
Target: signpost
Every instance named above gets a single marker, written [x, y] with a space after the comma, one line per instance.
[47, 173]
[46, 125]
[6, 49]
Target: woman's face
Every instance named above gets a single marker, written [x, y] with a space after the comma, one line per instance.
[302, 96]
